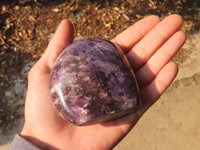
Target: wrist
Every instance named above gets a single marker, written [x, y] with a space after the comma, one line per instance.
[36, 141]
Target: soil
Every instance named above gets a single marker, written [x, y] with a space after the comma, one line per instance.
[173, 121]
[27, 25]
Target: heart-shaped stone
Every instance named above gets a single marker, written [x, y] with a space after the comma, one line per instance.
[90, 83]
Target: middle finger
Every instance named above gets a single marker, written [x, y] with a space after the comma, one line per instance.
[146, 47]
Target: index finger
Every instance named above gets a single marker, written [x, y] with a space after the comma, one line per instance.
[128, 38]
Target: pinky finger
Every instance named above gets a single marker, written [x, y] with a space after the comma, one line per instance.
[155, 89]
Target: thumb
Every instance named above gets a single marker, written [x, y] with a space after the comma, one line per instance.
[61, 39]
[38, 104]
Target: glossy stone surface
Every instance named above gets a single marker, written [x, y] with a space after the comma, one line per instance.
[90, 83]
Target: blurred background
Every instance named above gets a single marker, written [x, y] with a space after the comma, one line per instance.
[27, 25]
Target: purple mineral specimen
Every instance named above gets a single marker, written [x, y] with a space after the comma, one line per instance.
[90, 83]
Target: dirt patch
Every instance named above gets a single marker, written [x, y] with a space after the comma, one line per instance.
[172, 122]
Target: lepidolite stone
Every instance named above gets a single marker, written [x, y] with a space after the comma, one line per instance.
[90, 83]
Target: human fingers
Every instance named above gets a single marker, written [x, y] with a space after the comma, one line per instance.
[147, 46]
[161, 57]
[128, 38]
[154, 90]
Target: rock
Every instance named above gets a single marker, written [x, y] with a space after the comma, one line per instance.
[90, 83]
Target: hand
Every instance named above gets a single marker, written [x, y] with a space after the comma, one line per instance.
[149, 46]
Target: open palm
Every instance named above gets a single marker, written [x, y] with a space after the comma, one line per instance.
[149, 46]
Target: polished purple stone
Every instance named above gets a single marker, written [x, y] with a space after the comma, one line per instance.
[90, 83]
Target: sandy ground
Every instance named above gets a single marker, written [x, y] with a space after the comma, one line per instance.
[173, 121]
